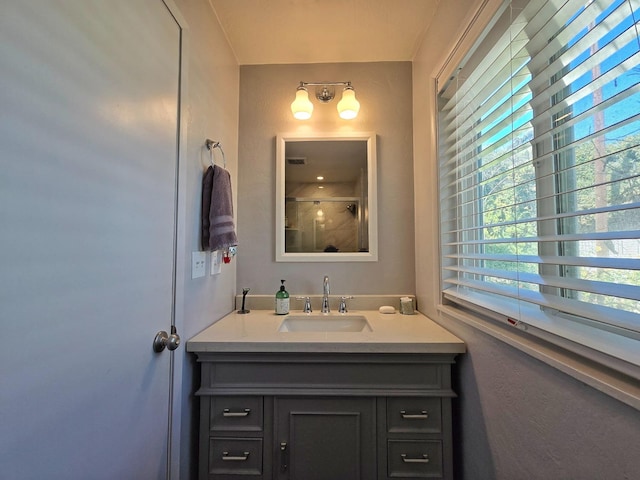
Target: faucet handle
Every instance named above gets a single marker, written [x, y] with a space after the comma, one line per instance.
[307, 304]
[343, 304]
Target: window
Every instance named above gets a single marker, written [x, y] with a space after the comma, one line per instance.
[539, 158]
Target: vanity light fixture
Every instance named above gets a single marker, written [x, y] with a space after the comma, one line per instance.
[348, 106]
[302, 107]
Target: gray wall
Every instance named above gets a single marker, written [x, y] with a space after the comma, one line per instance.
[517, 418]
[212, 105]
[384, 92]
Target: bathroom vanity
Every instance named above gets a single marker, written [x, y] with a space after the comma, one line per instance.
[316, 397]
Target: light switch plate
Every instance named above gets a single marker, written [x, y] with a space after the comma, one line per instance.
[216, 262]
[198, 264]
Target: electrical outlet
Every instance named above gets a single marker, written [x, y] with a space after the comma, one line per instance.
[216, 262]
[198, 264]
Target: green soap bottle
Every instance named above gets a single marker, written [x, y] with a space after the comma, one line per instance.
[282, 300]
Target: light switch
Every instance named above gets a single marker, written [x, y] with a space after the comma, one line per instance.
[198, 264]
[216, 262]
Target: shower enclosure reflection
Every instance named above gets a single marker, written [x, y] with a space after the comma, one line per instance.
[325, 191]
[324, 225]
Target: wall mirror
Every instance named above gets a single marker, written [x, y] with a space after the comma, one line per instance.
[326, 197]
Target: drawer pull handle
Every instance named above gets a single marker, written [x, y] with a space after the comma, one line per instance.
[228, 413]
[423, 459]
[423, 414]
[238, 458]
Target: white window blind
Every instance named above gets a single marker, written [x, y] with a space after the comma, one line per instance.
[539, 161]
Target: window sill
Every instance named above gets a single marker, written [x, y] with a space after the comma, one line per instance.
[604, 379]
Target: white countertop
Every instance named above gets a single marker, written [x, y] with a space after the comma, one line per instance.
[257, 331]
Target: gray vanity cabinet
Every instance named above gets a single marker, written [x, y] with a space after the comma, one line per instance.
[325, 416]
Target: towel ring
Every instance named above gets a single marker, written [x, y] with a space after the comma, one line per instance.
[210, 144]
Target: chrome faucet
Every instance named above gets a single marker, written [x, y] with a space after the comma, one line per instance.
[307, 304]
[343, 304]
[325, 295]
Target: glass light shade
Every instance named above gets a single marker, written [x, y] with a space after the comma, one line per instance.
[348, 107]
[302, 107]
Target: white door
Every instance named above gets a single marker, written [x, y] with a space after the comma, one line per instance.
[88, 147]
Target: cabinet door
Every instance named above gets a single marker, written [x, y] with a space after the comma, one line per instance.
[325, 438]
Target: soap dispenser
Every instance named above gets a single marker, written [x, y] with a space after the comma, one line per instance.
[282, 300]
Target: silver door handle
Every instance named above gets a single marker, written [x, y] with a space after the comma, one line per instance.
[163, 340]
[284, 460]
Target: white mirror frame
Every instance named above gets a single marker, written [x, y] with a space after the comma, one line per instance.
[372, 254]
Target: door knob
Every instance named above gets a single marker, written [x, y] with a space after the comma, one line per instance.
[164, 340]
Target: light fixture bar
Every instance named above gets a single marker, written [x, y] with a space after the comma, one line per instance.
[348, 107]
[321, 84]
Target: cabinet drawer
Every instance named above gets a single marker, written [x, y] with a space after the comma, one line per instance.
[273, 375]
[414, 415]
[236, 414]
[414, 459]
[235, 456]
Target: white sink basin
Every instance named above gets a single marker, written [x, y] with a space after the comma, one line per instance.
[325, 323]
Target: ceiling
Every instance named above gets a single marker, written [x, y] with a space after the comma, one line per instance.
[328, 31]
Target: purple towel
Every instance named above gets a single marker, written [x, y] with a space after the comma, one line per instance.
[222, 232]
[207, 186]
